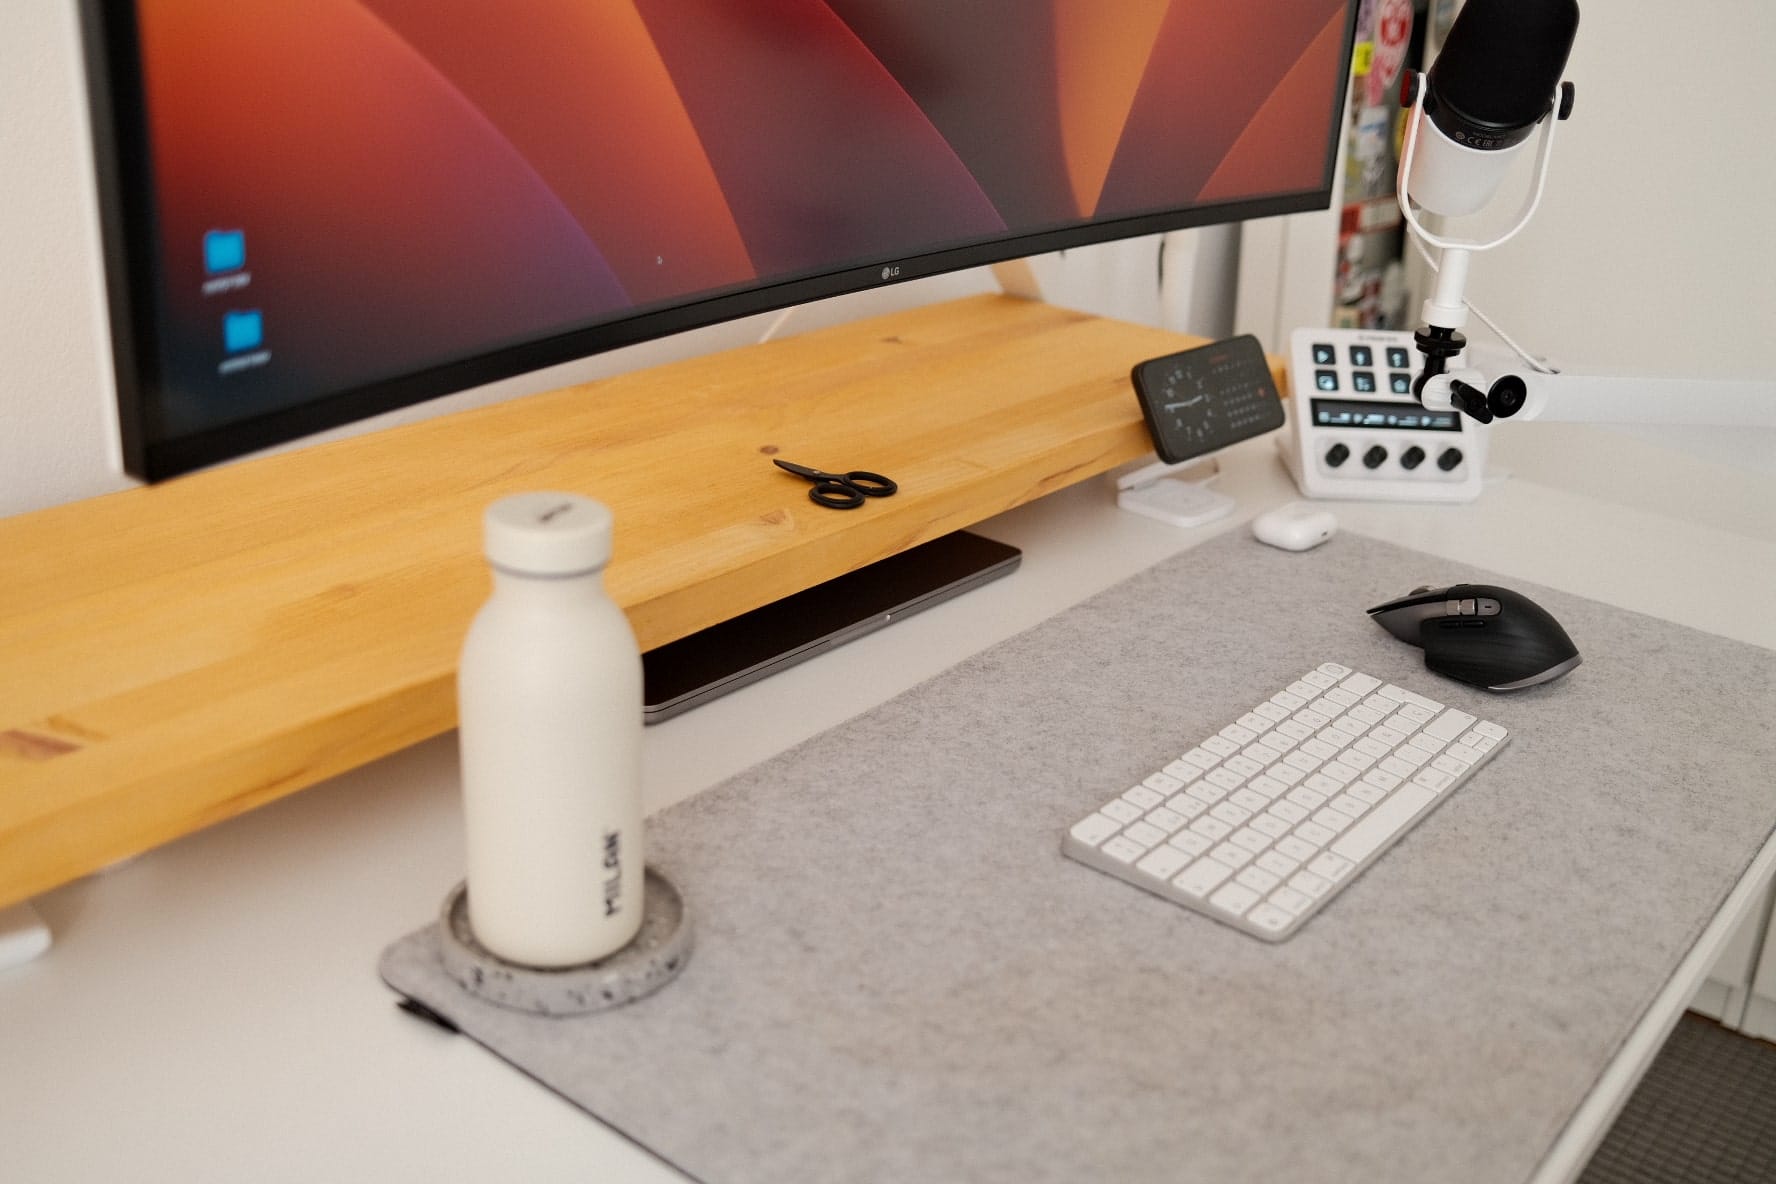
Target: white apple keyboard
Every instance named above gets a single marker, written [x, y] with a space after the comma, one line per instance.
[1267, 820]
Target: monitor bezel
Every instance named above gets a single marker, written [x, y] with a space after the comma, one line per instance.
[123, 173]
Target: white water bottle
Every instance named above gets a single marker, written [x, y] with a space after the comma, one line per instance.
[550, 717]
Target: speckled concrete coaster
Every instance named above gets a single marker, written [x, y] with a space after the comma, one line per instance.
[660, 950]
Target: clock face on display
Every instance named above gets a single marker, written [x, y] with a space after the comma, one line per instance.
[1188, 406]
[1207, 398]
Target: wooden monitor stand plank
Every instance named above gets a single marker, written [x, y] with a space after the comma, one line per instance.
[174, 655]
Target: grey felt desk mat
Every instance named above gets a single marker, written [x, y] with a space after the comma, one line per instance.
[898, 976]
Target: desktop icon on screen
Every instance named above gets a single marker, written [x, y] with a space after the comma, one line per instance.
[242, 330]
[224, 250]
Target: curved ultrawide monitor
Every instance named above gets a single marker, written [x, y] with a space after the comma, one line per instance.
[318, 210]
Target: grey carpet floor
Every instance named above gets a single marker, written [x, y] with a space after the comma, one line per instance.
[1705, 1113]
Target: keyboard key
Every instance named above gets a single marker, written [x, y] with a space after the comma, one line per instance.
[1123, 849]
[1257, 879]
[1234, 898]
[1246, 799]
[1333, 670]
[1450, 724]
[1191, 843]
[1166, 820]
[1224, 778]
[1382, 823]
[1360, 684]
[1242, 766]
[1288, 811]
[1229, 813]
[1095, 828]
[1251, 839]
[1201, 878]
[1207, 792]
[1432, 779]
[1145, 833]
[1297, 849]
[1229, 854]
[1310, 884]
[1186, 805]
[1162, 784]
[1381, 779]
[1143, 798]
[1268, 786]
[1269, 824]
[1301, 795]
[1315, 833]
[1123, 812]
[1450, 765]
[1425, 743]
[1398, 766]
[1211, 828]
[1269, 916]
[1163, 863]
[1304, 762]
[1291, 900]
[1276, 863]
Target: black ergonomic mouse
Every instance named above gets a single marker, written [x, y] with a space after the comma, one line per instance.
[1481, 634]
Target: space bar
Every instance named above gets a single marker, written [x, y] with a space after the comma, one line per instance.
[1382, 823]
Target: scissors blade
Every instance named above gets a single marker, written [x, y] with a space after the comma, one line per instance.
[801, 470]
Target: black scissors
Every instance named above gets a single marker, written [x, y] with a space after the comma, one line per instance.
[841, 491]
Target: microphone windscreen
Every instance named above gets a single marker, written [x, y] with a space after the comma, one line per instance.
[1499, 68]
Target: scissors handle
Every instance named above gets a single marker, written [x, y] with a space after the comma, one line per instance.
[870, 484]
[840, 491]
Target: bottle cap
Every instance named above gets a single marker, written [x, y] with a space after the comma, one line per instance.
[548, 534]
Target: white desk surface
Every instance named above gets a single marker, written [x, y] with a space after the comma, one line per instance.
[211, 1010]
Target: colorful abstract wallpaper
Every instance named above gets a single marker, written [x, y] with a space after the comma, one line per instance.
[349, 190]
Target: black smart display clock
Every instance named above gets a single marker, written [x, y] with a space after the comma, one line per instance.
[1206, 398]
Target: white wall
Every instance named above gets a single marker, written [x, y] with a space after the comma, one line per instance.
[56, 422]
[1653, 252]
[1654, 249]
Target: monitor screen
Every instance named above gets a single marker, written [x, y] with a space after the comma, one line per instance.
[317, 210]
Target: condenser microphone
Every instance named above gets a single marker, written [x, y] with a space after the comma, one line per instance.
[1496, 77]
